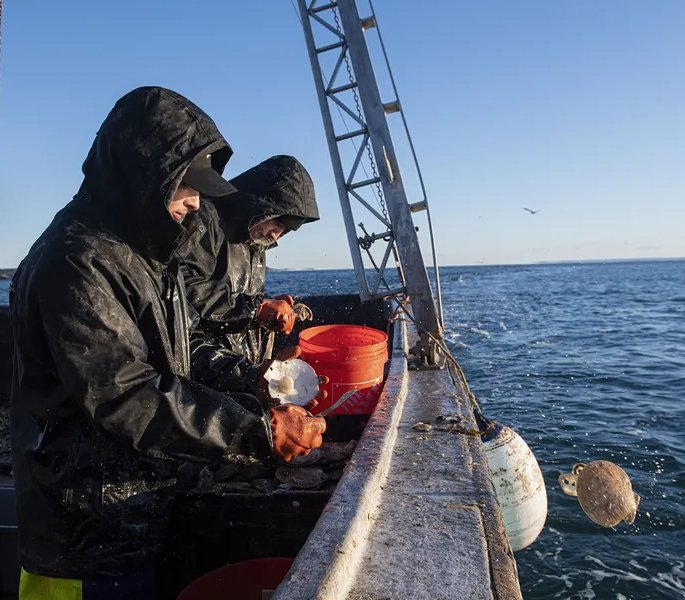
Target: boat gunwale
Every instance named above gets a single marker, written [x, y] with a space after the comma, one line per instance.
[326, 565]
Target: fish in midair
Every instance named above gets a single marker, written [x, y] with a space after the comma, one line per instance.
[604, 492]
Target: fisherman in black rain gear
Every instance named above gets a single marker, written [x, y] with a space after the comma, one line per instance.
[226, 272]
[102, 403]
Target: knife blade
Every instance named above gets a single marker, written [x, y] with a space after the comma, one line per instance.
[328, 410]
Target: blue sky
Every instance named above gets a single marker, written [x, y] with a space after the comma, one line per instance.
[574, 108]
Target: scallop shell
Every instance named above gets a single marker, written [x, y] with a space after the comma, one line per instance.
[292, 381]
[301, 477]
[604, 492]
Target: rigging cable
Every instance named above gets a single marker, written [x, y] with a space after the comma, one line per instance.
[362, 163]
[450, 357]
[0, 32]
[416, 163]
[297, 12]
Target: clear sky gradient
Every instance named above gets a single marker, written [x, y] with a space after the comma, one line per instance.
[573, 108]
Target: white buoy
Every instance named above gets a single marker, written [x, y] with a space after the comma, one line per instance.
[518, 483]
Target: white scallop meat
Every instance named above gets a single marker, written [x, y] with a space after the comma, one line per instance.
[292, 381]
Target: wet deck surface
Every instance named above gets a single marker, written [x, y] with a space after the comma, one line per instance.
[428, 538]
[414, 516]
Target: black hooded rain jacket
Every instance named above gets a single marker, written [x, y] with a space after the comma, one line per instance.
[102, 402]
[226, 271]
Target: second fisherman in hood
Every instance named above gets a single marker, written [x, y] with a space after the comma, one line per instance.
[225, 276]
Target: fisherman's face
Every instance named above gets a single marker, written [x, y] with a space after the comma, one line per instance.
[184, 201]
[267, 232]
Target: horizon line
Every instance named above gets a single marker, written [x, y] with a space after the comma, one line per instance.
[514, 264]
[483, 264]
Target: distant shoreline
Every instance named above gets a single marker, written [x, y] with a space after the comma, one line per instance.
[533, 264]
[609, 260]
[7, 273]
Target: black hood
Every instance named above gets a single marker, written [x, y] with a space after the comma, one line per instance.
[278, 187]
[137, 161]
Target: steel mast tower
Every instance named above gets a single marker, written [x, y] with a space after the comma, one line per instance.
[339, 40]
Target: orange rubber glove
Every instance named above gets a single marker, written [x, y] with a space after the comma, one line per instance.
[276, 315]
[295, 432]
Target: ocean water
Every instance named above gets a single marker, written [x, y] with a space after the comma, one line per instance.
[586, 362]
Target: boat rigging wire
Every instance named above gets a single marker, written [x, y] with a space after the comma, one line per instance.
[450, 358]
[438, 290]
[297, 12]
[0, 32]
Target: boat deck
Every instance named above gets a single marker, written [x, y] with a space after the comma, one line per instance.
[414, 517]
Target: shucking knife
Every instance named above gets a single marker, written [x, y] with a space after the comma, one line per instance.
[327, 411]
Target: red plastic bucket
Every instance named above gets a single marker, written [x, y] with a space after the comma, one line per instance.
[352, 357]
[247, 580]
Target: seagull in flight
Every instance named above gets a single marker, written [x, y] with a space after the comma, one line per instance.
[532, 212]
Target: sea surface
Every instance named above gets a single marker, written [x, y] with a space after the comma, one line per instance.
[586, 361]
